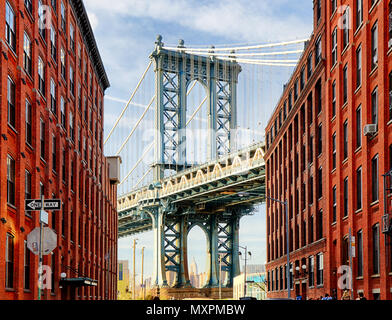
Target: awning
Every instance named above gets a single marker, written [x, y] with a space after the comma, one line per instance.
[78, 282]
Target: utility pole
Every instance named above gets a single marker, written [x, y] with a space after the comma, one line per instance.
[134, 272]
[40, 249]
[142, 284]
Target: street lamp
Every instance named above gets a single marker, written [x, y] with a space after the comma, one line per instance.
[134, 274]
[287, 242]
[246, 259]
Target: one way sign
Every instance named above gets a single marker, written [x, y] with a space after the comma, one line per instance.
[36, 204]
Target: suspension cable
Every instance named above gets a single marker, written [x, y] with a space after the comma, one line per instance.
[130, 100]
[152, 144]
[136, 125]
[142, 178]
[238, 48]
[138, 162]
[254, 54]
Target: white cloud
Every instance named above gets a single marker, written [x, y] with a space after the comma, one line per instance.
[93, 20]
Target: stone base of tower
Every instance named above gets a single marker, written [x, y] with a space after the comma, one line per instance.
[194, 293]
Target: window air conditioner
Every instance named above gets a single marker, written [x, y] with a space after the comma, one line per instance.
[370, 129]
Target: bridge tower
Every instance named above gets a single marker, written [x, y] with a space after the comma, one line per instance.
[175, 70]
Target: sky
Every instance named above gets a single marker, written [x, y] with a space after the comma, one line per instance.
[125, 32]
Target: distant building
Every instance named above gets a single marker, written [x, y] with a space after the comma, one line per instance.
[123, 285]
[255, 286]
[255, 268]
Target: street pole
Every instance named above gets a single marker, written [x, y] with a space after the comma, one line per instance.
[246, 258]
[142, 284]
[134, 275]
[40, 250]
[351, 264]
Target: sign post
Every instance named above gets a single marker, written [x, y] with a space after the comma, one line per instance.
[41, 205]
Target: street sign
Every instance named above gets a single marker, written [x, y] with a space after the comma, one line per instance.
[352, 246]
[49, 240]
[36, 204]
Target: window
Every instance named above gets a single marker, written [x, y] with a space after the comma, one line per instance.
[318, 10]
[311, 149]
[334, 151]
[358, 119]
[53, 48]
[71, 126]
[375, 179]
[359, 66]
[310, 109]
[345, 140]
[318, 51]
[296, 90]
[390, 96]
[10, 180]
[318, 97]
[320, 139]
[334, 99]
[41, 20]
[54, 5]
[390, 25]
[320, 224]
[359, 188]
[311, 271]
[359, 253]
[11, 102]
[54, 153]
[53, 106]
[359, 13]
[72, 36]
[345, 197]
[346, 251]
[62, 110]
[320, 269]
[333, 6]
[28, 123]
[26, 267]
[375, 106]
[374, 39]
[376, 249]
[64, 166]
[42, 138]
[310, 190]
[320, 183]
[72, 175]
[346, 27]
[334, 204]
[29, 6]
[302, 79]
[309, 64]
[27, 184]
[63, 21]
[62, 61]
[345, 84]
[27, 53]
[9, 261]
[41, 76]
[10, 26]
[71, 81]
[334, 46]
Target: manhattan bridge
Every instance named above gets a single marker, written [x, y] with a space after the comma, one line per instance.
[191, 143]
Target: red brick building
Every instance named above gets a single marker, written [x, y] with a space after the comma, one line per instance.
[52, 83]
[325, 159]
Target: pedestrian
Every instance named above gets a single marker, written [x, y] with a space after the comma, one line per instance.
[346, 295]
[361, 296]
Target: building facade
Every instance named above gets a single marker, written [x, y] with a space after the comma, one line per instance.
[52, 83]
[124, 286]
[328, 155]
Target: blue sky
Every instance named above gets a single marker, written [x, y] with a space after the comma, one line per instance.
[125, 31]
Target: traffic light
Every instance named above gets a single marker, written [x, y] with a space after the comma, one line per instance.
[158, 291]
